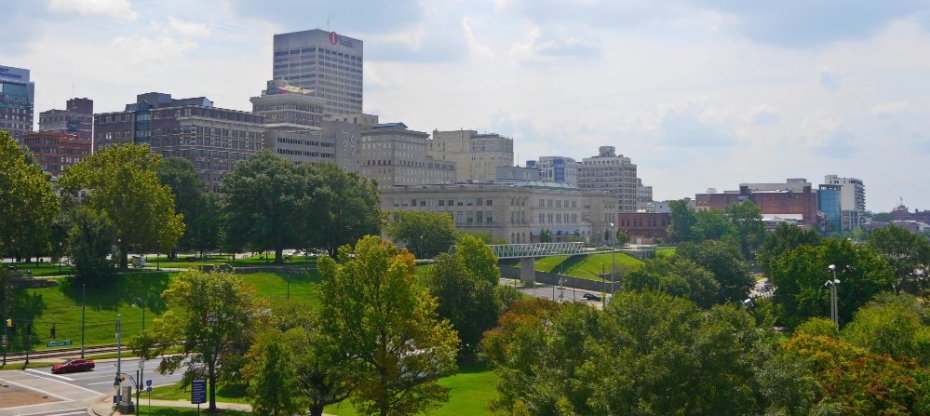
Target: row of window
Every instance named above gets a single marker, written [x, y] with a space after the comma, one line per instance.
[292, 152]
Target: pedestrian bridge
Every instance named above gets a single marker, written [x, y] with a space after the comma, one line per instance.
[521, 251]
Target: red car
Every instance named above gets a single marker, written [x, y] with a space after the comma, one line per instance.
[73, 366]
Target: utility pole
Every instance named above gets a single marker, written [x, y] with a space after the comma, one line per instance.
[119, 357]
[141, 372]
[5, 320]
[834, 309]
[83, 310]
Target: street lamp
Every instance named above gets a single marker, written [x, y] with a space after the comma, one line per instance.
[834, 311]
[613, 252]
[141, 359]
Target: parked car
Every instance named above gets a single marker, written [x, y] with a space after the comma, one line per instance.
[73, 366]
[591, 296]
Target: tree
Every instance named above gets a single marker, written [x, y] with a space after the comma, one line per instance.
[545, 235]
[28, 205]
[784, 239]
[746, 218]
[818, 327]
[206, 329]
[387, 324]
[466, 300]
[682, 220]
[345, 207]
[726, 263]
[125, 187]
[622, 237]
[264, 197]
[272, 374]
[478, 258]
[677, 276]
[199, 208]
[426, 233]
[799, 277]
[892, 328]
[91, 239]
[711, 225]
[907, 253]
[648, 353]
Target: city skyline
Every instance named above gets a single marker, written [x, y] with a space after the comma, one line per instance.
[699, 94]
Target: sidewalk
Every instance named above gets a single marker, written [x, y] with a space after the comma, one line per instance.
[104, 407]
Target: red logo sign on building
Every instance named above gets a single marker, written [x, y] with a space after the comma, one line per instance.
[333, 38]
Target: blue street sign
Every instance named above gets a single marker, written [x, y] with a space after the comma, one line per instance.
[148, 389]
[198, 391]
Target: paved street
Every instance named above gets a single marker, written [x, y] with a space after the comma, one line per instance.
[43, 393]
[561, 294]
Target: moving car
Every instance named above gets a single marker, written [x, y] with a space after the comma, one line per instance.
[73, 366]
[591, 296]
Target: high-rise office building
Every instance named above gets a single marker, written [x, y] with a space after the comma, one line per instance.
[292, 120]
[213, 139]
[326, 62]
[476, 156]
[17, 101]
[852, 199]
[613, 173]
[77, 118]
[394, 155]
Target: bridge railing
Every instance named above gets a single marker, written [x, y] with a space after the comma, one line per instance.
[512, 251]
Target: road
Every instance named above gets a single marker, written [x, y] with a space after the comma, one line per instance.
[45, 394]
[559, 293]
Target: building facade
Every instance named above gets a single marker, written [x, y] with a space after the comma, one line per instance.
[393, 155]
[644, 227]
[77, 118]
[828, 201]
[558, 169]
[17, 101]
[476, 156]
[326, 62]
[293, 117]
[612, 173]
[852, 199]
[55, 151]
[513, 213]
[793, 197]
[213, 139]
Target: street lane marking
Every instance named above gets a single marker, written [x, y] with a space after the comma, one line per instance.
[32, 370]
[56, 414]
[37, 390]
[101, 382]
[60, 382]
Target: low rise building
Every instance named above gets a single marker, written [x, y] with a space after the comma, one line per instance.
[795, 196]
[56, 151]
[516, 213]
[644, 227]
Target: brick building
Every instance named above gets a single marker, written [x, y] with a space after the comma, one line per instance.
[644, 227]
[796, 196]
[77, 118]
[56, 150]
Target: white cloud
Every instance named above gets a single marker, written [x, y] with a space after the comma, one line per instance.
[118, 9]
[188, 29]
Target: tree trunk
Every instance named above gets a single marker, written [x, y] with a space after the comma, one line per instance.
[278, 255]
[316, 409]
[123, 258]
[212, 375]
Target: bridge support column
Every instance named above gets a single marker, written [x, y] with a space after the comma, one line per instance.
[528, 271]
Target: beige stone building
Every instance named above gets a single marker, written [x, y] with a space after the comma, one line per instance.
[612, 173]
[511, 212]
[476, 156]
[394, 155]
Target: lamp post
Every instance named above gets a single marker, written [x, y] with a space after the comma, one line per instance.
[834, 310]
[613, 252]
[141, 360]
[83, 309]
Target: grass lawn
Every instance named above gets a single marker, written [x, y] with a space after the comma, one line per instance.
[190, 261]
[228, 394]
[588, 266]
[61, 305]
[665, 252]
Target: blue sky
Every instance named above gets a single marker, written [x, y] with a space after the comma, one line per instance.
[700, 94]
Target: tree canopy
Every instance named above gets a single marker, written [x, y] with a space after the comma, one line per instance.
[784, 239]
[28, 204]
[677, 276]
[124, 186]
[199, 207]
[727, 265]
[388, 325]
[426, 233]
[907, 253]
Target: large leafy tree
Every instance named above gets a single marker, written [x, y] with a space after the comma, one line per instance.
[28, 205]
[199, 208]
[677, 276]
[892, 325]
[207, 328]
[683, 219]
[726, 263]
[387, 324]
[907, 253]
[124, 186]
[465, 299]
[784, 239]
[748, 228]
[343, 207]
[799, 277]
[426, 233]
[272, 374]
[711, 225]
[648, 353]
[264, 195]
[91, 239]
[478, 258]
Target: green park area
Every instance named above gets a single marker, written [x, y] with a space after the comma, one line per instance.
[587, 266]
[60, 305]
[663, 252]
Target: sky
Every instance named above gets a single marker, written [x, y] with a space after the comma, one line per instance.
[699, 94]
